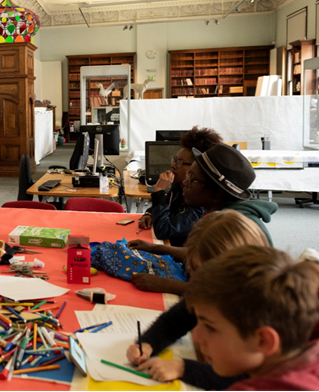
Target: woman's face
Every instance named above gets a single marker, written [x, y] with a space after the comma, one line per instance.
[183, 160]
[194, 191]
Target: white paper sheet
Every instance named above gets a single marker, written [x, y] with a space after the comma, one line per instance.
[124, 318]
[111, 348]
[28, 288]
[117, 338]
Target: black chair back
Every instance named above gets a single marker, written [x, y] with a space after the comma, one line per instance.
[77, 153]
[25, 179]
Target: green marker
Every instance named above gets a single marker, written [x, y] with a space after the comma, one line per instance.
[126, 369]
[22, 347]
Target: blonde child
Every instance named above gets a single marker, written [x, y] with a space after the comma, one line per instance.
[212, 235]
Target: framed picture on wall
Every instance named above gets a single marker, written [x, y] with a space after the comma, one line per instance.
[296, 26]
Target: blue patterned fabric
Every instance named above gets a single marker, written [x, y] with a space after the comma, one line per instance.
[117, 260]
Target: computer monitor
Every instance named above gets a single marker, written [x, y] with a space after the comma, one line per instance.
[85, 154]
[158, 159]
[168, 136]
[111, 137]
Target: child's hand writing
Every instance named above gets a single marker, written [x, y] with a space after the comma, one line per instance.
[134, 356]
[163, 370]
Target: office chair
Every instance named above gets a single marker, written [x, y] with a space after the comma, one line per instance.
[37, 205]
[92, 204]
[25, 179]
[302, 201]
[77, 153]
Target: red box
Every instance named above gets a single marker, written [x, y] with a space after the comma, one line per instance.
[79, 260]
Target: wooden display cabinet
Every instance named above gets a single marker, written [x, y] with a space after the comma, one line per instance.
[204, 73]
[92, 97]
[302, 50]
[16, 106]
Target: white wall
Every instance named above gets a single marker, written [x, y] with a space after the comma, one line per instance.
[291, 7]
[48, 84]
[38, 80]
[52, 86]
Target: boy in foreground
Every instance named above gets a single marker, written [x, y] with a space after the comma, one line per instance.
[255, 312]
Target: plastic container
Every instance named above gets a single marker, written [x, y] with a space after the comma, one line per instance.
[104, 184]
[60, 140]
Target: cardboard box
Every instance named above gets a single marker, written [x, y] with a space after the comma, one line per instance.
[79, 260]
[39, 236]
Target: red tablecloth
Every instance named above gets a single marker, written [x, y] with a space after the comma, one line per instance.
[98, 227]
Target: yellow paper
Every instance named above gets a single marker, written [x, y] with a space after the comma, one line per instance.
[128, 386]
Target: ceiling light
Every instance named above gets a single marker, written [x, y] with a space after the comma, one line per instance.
[237, 10]
[207, 22]
[125, 27]
[217, 21]
[252, 1]
[131, 27]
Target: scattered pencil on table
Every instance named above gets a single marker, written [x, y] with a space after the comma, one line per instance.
[138, 231]
[37, 369]
[60, 310]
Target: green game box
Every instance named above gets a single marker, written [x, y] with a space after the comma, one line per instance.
[39, 236]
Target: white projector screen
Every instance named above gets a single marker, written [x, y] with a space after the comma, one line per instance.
[236, 119]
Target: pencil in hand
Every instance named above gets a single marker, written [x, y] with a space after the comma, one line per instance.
[139, 336]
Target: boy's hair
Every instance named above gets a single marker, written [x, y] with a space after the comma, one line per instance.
[202, 139]
[261, 286]
[218, 232]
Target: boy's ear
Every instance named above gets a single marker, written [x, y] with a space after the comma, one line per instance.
[268, 340]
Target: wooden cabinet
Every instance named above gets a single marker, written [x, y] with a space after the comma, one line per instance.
[16, 106]
[155, 93]
[93, 99]
[301, 50]
[203, 73]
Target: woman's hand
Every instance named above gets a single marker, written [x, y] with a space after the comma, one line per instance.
[134, 356]
[141, 245]
[145, 222]
[163, 370]
[165, 180]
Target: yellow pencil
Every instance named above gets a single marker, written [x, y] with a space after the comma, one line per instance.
[35, 333]
[37, 369]
[16, 304]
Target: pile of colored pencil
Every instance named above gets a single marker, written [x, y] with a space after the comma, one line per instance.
[29, 335]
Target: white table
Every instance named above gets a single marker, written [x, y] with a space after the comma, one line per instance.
[43, 134]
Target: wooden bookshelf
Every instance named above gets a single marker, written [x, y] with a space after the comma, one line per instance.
[221, 72]
[301, 50]
[92, 97]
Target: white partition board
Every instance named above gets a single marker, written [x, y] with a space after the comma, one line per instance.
[236, 119]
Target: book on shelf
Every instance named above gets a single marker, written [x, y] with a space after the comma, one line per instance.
[297, 69]
[220, 89]
[236, 89]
